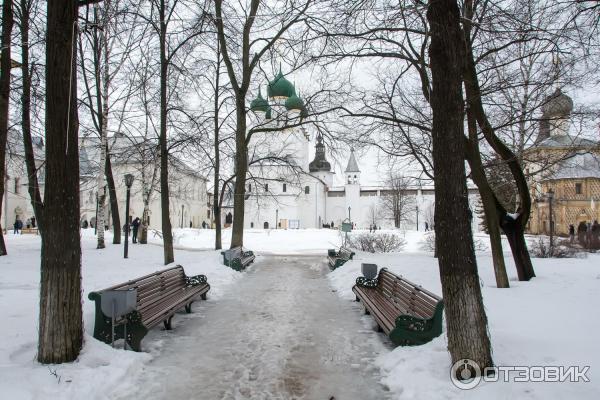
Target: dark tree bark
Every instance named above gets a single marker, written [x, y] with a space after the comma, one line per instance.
[216, 203]
[489, 201]
[60, 323]
[114, 204]
[465, 315]
[32, 179]
[164, 152]
[512, 230]
[5, 66]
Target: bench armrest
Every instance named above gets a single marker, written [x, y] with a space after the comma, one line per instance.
[413, 323]
[195, 280]
[331, 253]
[365, 282]
[248, 253]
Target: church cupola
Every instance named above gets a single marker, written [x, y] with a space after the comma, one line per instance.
[260, 104]
[319, 163]
[555, 116]
[280, 88]
[352, 171]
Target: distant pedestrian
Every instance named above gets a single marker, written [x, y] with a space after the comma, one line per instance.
[426, 226]
[18, 225]
[595, 235]
[332, 225]
[203, 224]
[33, 221]
[571, 233]
[85, 224]
[135, 225]
[581, 229]
[28, 223]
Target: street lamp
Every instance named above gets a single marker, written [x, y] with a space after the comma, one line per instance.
[276, 218]
[182, 207]
[128, 183]
[550, 195]
[417, 207]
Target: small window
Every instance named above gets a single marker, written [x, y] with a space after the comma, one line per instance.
[578, 188]
[349, 179]
[307, 190]
[208, 214]
[251, 224]
[249, 187]
[16, 185]
[266, 187]
[284, 188]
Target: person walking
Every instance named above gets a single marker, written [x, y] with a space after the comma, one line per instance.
[571, 233]
[426, 226]
[581, 229]
[595, 235]
[135, 225]
[18, 225]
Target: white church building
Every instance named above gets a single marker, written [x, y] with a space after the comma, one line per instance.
[300, 193]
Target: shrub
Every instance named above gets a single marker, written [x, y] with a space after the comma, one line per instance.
[562, 249]
[376, 242]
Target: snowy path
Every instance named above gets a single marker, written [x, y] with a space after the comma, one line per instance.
[280, 333]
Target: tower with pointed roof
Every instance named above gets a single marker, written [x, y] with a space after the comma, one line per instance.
[352, 171]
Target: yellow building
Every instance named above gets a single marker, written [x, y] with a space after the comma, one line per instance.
[564, 171]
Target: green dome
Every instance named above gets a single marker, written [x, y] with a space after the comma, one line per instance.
[280, 87]
[259, 104]
[294, 103]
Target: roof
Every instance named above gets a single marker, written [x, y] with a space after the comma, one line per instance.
[280, 87]
[352, 164]
[579, 166]
[559, 141]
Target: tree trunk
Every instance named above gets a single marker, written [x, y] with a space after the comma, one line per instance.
[488, 200]
[144, 225]
[114, 203]
[60, 323]
[164, 152]
[102, 84]
[513, 229]
[216, 204]
[5, 66]
[32, 179]
[465, 314]
[241, 168]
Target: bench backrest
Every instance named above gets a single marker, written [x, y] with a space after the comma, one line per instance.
[235, 252]
[154, 287]
[406, 296]
[345, 253]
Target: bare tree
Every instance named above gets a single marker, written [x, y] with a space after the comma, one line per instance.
[465, 315]
[60, 322]
[395, 200]
[5, 67]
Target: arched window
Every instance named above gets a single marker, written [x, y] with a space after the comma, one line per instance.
[355, 179]
[307, 190]
[266, 187]
[284, 188]
[251, 224]
[349, 179]
[266, 225]
[249, 187]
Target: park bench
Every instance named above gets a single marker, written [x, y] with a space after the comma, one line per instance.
[159, 296]
[238, 258]
[33, 231]
[407, 313]
[338, 258]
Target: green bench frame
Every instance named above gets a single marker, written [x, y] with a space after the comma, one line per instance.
[337, 258]
[407, 313]
[239, 260]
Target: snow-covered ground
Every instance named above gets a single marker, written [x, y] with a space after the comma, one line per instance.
[552, 320]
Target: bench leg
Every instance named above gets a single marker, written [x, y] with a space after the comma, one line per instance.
[167, 323]
[379, 328]
[367, 312]
[357, 299]
[188, 308]
[203, 296]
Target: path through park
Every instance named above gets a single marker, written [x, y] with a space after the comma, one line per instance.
[279, 333]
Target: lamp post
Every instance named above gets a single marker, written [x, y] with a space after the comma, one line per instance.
[349, 218]
[550, 195]
[276, 217]
[128, 183]
[182, 207]
[417, 209]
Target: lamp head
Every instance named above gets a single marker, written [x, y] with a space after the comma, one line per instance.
[128, 180]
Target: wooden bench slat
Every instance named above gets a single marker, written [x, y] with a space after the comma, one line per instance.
[159, 296]
[393, 297]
